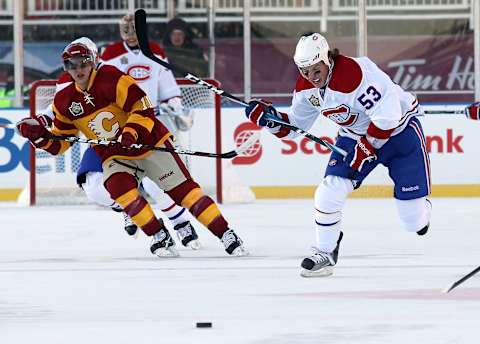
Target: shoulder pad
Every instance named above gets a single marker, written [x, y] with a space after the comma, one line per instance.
[346, 76]
[302, 84]
[113, 50]
[157, 49]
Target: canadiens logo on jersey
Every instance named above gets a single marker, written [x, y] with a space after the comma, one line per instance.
[76, 109]
[341, 115]
[139, 72]
[314, 100]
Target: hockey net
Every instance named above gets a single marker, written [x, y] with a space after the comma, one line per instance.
[53, 178]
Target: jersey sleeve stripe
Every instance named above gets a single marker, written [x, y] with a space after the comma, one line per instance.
[122, 91]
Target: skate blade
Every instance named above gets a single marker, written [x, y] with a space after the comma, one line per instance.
[325, 272]
[240, 252]
[194, 244]
[166, 253]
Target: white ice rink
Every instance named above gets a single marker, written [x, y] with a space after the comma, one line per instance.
[72, 275]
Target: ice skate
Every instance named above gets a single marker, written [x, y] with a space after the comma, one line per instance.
[187, 235]
[129, 226]
[163, 244]
[233, 244]
[424, 230]
[320, 264]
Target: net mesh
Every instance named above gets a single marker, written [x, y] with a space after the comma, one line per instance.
[56, 175]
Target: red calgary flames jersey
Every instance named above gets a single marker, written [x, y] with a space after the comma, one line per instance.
[112, 103]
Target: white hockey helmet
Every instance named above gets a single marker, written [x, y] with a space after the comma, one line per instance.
[78, 53]
[310, 50]
[89, 44]
[127, 27]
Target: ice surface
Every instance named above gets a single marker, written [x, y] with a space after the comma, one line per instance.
[71, 275]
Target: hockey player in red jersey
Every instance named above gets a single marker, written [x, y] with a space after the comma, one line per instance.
[160, 87]
[378, 125]
[105, 104]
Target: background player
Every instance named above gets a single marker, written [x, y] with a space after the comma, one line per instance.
[378, 125]
[104, 103]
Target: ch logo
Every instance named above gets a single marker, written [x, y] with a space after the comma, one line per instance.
[240, 135]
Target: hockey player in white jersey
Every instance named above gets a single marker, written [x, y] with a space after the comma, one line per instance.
[378, 125]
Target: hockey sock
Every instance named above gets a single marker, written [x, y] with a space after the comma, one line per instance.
[205, 210]
[123, 188]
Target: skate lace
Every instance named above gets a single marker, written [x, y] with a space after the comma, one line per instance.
[127, 220]
[184, 231]
[229, 238]
[160, 236]
[320, 256]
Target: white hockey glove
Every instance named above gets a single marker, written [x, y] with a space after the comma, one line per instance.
[174, 108]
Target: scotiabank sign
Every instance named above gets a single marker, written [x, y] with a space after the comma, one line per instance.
[444, 142]
[451, 140]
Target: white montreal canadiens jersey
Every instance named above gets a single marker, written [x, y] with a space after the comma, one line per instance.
[357, 94]
[155, 80]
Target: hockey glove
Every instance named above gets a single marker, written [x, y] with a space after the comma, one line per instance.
[362, 153]
[33, 130]
[128, 138]
[473, 111]
[257, 111]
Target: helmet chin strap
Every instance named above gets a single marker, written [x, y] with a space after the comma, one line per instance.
[330, 70]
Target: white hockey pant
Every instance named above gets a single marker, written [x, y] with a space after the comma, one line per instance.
[330, 198]
[97, 193]
[414, 213]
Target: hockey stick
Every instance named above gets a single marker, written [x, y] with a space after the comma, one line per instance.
[445, 112]
[142, 36]
[7, 125]
[227, 155]
[461, 280]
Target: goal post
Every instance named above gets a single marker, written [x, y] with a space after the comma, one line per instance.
[53, 179]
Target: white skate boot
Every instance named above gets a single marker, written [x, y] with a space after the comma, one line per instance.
[320, 264]
[187, 235]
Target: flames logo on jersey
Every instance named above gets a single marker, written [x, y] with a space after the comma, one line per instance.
[341, 115]
[139, 72]
[96, 125]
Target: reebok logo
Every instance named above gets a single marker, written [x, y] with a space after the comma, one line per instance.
[166, 175]
[410, 188]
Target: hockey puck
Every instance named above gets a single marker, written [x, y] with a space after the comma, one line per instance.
[204, 324]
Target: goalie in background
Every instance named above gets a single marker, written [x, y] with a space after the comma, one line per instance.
[378, 125]
[161, 88]
[103, 103]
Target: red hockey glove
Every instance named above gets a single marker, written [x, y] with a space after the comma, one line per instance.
[129, 137]
[362, 153]
[473, 111]
[32, 129]
[257, 111]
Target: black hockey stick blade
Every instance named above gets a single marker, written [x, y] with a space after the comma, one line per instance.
[141, 29]
[7, 125]
[445, 112]
[461, 280]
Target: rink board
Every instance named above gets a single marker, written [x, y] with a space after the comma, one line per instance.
[273, 169]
